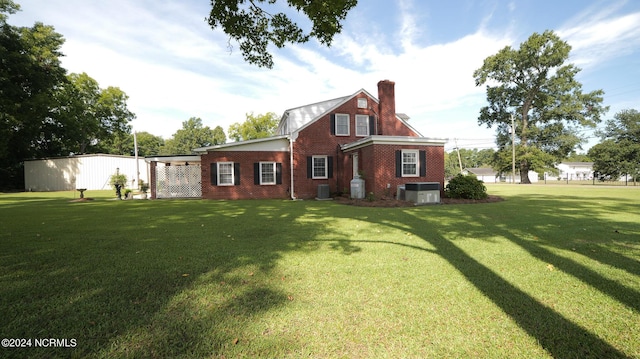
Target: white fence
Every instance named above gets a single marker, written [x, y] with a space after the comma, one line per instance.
[178, 182]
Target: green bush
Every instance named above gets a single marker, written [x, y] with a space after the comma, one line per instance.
[118, 179]
[467, 187]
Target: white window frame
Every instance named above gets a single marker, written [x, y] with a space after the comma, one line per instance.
[313, 167]
[344, 118]
[415, 162]
[220, 174]
[364, 118]
[272, 165]
[362, 102]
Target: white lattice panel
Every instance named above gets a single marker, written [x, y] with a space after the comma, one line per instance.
[178, 182]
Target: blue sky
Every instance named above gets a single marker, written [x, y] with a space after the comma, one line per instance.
[174, 66]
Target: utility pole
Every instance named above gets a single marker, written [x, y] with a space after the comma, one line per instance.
[135, 149]
[513, 150]
[458, 149]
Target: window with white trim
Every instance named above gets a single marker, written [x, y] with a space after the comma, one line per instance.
[267, 173]
[362, 125]
[342, 124]
[225, 174]
[410, 163]
[319, 167]
[362, 102]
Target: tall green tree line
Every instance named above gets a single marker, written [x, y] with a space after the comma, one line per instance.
[43, 111]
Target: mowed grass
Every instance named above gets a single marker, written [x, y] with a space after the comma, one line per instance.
[552, 271]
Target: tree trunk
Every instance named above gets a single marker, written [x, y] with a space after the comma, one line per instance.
[524, 173]
[524, 164]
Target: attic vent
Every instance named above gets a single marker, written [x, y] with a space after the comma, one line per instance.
[362, 102]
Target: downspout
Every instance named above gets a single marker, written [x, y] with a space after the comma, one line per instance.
[291, 190]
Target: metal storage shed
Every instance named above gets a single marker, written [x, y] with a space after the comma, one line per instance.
[92, 172]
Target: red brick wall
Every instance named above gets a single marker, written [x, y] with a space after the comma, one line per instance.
[152, 179]
[377, 163]
[316, 139]
[246, 189]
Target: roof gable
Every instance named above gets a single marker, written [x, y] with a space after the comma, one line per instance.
[297, 118]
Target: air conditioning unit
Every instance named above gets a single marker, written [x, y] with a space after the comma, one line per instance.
[323, 191]
[423, 192]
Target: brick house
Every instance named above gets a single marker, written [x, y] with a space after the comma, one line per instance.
[326, 143]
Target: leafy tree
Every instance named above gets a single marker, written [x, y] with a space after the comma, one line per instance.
[578, 157]
[470, 158]
[95, 119]
[534, 85]
[119, 144]
[475, 158]
[451, 167]
[193, 135]
[29, 75]
[7, 7]
[124, 144]
[619, 152]
[148, 144]
[255, 24]
[219, 137]
[625, 126]
[255, 126]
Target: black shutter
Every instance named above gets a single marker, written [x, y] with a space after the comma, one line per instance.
[236, 173]
[372, 125]
[309, 167]
[214, 174]
[332, 123]
[423, 163]
[278, 173]
[330, 166]
[256, 173]
[398, 163]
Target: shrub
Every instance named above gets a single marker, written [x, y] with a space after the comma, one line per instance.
[144, 187]
[467, 187]
[118, 179]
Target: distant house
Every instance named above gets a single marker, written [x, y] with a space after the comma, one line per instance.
[91, 172]
[580, 171]
[325, 145]
[486, 175]
[533, 177]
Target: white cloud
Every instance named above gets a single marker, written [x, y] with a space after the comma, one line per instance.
[599, 34]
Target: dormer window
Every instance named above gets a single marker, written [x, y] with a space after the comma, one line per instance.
[362, 102]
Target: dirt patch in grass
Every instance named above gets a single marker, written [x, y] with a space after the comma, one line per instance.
[391, 202]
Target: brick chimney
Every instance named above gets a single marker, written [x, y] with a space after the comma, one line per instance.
[387, 107]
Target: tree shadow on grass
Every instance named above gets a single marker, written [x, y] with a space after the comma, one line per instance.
[147, 279]
[556, 334]
[559, 336]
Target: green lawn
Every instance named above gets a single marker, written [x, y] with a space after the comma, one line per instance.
[552, 271]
